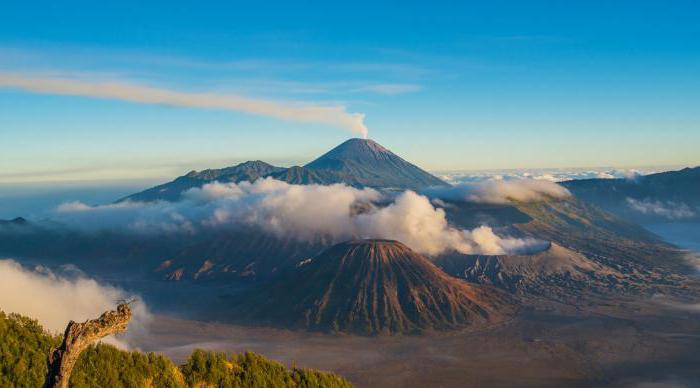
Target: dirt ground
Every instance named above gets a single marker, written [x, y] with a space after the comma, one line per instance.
[633, 343]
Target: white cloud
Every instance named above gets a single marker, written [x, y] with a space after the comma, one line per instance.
[412, 220]
[305, 212]
[390, 89]
[75, 206]
[54, 299]
[675, 304]
[491, 244]
[330, 115]
[501, 191]
[669, 209]
[550, 174]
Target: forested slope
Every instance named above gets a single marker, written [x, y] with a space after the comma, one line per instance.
[24, 346]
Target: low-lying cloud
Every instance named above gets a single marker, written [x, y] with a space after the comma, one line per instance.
[55, 299]
[548, 174]
[693, 307]
[305, 212]
[668, 209]
[413, 220]
[300, 112]
[500, 191]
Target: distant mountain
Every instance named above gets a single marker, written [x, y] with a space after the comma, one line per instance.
[18, 221]
[576, 225]
[372, 287]
[356, 162]
[592, 252]
[672, 195]
[600, 235]
[303, 176]
[365, 163]
[171, 191]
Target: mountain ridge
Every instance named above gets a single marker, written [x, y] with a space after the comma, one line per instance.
[355, 162]
[664, 196]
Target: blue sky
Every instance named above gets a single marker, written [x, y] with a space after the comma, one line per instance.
[447, 85]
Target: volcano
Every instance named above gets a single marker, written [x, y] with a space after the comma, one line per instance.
[374, 287]
[356, 162]
[365, 163]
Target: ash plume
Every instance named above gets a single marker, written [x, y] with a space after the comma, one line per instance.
[300, 112]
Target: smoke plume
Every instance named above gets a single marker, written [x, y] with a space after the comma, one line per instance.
[307, 113]
[55, 299]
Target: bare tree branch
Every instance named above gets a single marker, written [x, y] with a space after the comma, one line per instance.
[79, 336]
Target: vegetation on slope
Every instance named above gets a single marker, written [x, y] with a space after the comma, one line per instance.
[24, 346]
[251, 370]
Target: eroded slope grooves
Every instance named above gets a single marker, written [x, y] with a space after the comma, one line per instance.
[250, 254]
[372, 287]
[365, 163]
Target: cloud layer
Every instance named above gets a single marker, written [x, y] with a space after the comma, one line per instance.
[669, 210]
[548, 174]
[305, 212]
[55, 299]
[329, 115]
[501, 191]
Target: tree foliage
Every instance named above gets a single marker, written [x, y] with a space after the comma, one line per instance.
[24, 346]
[252, 370]
[24, 349]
